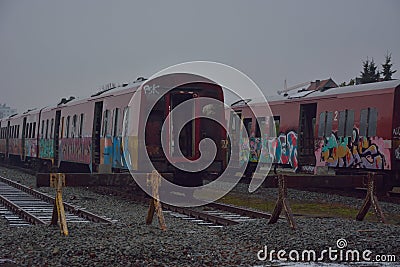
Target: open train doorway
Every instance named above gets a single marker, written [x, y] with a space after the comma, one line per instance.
[185, 140]
[306, 139]
[98, 110]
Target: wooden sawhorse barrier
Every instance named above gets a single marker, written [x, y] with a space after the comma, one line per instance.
[282, 203]
[154, 179]
[369, 200]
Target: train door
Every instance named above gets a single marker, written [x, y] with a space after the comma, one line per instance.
[7, 138]
[306, 133]
[185, 140]
[24, 135]
[98, 109]
[56, 143]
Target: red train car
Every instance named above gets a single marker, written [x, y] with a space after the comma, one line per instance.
[346, 128]
[79, 135]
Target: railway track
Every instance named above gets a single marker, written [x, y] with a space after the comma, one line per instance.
[211, 215]
[23, 206]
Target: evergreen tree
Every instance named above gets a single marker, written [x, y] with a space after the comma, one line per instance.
[369, 73]
[373, 72]
[387, 71]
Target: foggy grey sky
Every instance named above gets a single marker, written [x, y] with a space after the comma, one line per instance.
[53, 49]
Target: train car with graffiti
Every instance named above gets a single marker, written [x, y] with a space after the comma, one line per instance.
[86, 135]
[19, 136]
[344, 128]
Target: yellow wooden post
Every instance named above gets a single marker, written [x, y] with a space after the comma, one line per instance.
[57, 180]
[155, 204]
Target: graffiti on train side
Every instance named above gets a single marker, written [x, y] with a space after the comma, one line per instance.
[281, 149]
[46, 148]
[353, 151]
[286, 149]
[30, 148]
[2, 146]
[76, 150]
[14, 147]
[396, 132]
[397, 153]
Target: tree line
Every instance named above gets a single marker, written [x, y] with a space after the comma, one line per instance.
[371, 73]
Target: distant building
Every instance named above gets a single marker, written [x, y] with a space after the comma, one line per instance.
[6, 111]
[321, 85]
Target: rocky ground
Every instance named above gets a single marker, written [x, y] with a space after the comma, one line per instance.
[130, 242]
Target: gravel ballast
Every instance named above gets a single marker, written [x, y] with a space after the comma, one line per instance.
[130, 242]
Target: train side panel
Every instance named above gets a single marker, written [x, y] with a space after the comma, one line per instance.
[14, 144]
[114, 108]
[355, 131]
[75, 134]
[46, 135]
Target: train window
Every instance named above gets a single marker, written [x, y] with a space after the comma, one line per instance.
[47, 128]
[116, 118]
[321, 125]
[67, 126]
[34, 130]
[372, 121]
[234, 123]
[342, 123]
[277, 123]
[363, 122]
[51, 128]
[61, 133]
[30, 130]
[260, 126]
[349, 122]
[81, 125]
[18, 131]
[328, 128]
[42, 130]
[247, 124]
[73, 131]
[105, 122]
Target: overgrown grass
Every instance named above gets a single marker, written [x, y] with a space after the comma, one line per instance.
[307, 208]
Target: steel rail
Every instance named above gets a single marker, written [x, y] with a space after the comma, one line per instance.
[182, 210]
[23, 214]
[200, 215]
[240, 210]
[68, 207]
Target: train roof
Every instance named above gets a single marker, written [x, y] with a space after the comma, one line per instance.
[365, 88]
